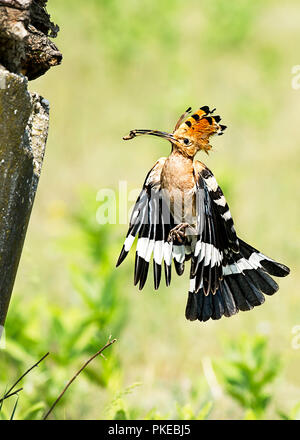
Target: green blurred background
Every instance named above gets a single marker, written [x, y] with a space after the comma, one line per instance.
[139, 64]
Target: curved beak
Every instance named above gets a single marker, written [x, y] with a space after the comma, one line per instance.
[162, 134]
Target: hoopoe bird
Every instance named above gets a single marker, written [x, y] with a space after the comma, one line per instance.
[181, 214]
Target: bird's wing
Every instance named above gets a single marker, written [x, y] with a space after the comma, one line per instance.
[152, 221]
[216, 236]
[227, 274]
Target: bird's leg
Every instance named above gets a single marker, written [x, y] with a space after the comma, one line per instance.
[178, 232]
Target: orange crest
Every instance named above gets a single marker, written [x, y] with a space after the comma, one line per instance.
[199, 127]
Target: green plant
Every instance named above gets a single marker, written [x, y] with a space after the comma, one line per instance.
[118, 408]
[247, 371]
[293, 414]
[71, 331]
[186, 412]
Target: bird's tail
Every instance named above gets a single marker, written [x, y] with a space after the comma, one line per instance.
[245, 280]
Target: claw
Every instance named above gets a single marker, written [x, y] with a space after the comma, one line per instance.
[178, 233]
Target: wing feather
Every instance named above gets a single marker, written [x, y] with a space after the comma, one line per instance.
[152, 221]
[227, 274]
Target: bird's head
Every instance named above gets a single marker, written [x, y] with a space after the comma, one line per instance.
[191, 133]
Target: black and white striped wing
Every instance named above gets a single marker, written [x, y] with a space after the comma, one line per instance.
[227, 274]
[216, 236]
[152, 221]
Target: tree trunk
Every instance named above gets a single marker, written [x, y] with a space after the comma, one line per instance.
[25, 49]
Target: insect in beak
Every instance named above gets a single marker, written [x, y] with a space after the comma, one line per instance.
[162, 134]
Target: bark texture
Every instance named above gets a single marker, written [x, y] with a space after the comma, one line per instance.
[24, 121]
[25, 46]
[25, 49]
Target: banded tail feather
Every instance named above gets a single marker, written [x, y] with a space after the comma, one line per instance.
[246, 279]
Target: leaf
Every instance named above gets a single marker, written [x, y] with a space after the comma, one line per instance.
[14, 409]
[250, 415]
[120, 415]
[247, 372]
[33, 411]
[204, 412]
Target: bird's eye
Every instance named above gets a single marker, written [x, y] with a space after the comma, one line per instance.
[186, 141]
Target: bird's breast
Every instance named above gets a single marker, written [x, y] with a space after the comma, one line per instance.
[178, 188]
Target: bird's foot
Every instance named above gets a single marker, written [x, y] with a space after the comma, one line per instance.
[178, 233]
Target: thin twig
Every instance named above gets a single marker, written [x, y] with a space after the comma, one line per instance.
[108, 344]
[23, 375]
[6, 396]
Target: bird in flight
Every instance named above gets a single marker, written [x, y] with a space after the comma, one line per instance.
[181, 214]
